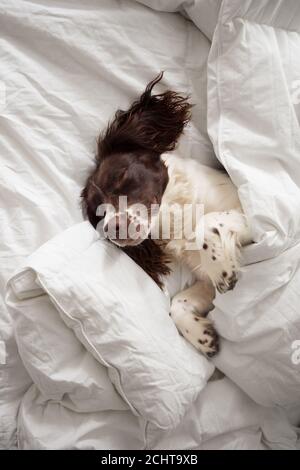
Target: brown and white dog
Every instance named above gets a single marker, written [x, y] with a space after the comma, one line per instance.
[134, 160]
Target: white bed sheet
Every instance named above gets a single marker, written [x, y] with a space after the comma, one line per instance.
[65, 68]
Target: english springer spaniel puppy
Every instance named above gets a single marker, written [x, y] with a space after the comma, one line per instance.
[135, 160]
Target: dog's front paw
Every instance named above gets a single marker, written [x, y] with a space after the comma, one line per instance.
[204, 337]
[220, 268]
[220, 253]
[226, 282]
[199, 331]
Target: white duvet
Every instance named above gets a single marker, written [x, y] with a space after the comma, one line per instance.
[65, 69]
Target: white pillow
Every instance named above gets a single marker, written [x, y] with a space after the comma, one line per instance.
[63, 370]
[121, 316]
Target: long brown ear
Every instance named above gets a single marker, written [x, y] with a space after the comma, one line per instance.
[151, 257]
[153, 123]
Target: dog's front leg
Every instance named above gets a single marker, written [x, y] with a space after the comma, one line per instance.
[224, 233]
[188, 310]
[199, 297]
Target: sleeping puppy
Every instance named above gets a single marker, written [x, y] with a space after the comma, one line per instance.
[137, 185]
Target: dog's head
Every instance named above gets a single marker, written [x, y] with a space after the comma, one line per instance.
[126, 186]
[125, 191]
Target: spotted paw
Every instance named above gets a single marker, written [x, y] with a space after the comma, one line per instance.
[199, 331]
[220, 253]
[208, 340]
[226, 282]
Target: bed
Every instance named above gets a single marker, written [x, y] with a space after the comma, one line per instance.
[65, 68]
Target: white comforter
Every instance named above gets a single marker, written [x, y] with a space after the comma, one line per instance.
[65, 69]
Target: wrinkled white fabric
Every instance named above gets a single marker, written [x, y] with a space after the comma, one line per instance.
[254, 125]
[64, 70]
[204, 13]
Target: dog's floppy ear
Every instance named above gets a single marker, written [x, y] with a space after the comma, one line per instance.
[153, 123]
[91, 198]
[152, 258]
